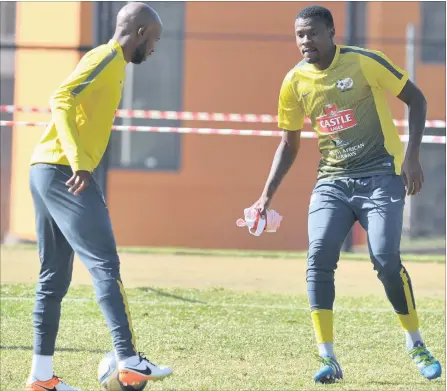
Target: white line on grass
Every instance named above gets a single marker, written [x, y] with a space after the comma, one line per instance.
[227, 305]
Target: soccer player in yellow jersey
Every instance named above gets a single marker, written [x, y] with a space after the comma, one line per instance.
[363, 174]
[71, 214]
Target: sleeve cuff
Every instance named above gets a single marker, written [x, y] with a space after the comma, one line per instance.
[402, 83]
[290, 127]
[81, 166]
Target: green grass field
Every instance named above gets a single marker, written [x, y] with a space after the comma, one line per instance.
[354, 256]
[224, 340]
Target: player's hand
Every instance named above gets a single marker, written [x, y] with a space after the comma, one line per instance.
[412, 174]
[78, 182]
[262, 205]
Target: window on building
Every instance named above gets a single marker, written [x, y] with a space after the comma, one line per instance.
[7, 21]
[7, 38]
[7, 55]
[356, 23]
[153, 85]
[432, 47]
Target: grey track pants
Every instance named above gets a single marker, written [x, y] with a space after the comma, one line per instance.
[66, 224]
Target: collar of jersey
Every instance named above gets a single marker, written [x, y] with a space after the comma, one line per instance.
[334, 61]
[117, 46]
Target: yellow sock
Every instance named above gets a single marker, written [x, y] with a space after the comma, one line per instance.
[323, 322]
[409, 322]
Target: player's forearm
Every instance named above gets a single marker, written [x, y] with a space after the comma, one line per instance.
[284, 158]
[417, 111]
[64, 117]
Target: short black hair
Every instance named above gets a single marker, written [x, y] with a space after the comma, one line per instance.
[316, 11]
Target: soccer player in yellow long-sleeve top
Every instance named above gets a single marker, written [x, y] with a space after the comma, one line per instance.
[71, 214]
[362, 173]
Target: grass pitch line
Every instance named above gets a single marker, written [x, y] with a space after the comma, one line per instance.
[227, 305]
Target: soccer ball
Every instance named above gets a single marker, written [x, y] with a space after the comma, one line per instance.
[108, 375]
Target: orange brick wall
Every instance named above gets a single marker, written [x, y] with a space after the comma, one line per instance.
[38, 72]
[219, 175]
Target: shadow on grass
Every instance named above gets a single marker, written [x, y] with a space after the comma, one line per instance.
[170, 295]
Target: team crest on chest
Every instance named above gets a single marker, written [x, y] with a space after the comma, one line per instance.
[345, 84]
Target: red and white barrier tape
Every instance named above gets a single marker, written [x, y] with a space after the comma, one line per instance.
[238, 132]
[197, 116]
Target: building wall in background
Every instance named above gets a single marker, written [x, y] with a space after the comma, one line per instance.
[235, 56]
[38, 72]
[7, 74]
[426, 211]
[237, 69]
[430, 77]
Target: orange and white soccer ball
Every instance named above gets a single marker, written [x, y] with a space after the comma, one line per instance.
[108, 375]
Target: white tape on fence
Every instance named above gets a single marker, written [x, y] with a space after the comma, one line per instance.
[225, 132]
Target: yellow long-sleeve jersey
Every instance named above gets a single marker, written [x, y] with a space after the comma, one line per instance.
[83, 109]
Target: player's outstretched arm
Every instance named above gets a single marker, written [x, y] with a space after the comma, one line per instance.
[417, 109]
[284, 158]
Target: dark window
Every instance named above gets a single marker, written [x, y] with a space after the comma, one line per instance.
[154, 85]
[433, 32]
[7, 55]
[356, 23]
[7, 21]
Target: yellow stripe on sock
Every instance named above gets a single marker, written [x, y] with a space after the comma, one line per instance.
[409, 322]
[127, 309]
[323, 322]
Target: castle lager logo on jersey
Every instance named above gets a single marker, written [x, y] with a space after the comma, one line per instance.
[336, 121]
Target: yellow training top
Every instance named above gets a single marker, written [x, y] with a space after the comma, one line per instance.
[83, 110]
[347, 106]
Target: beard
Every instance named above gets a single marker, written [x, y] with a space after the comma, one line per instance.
[139, 54]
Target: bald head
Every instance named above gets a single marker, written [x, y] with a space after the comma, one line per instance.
[135, 15]
[138, 28]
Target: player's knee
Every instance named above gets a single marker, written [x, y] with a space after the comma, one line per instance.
[322, 255]
[388, 266]
[54, 289]
[108, 270]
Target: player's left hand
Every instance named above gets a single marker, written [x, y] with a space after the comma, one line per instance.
[262, 205]
[78, 182]
[412, 174]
